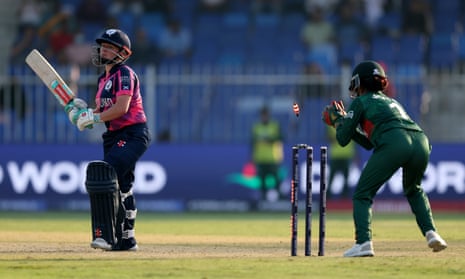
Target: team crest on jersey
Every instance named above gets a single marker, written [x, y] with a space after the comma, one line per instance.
[108, 85]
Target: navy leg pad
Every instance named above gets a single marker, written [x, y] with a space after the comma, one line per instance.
[102, 187]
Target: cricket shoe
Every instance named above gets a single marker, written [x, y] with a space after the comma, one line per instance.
[361, 250]
[100, 243]
[435, 241]
[127, 245]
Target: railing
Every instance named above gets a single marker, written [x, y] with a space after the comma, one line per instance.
[213, 104]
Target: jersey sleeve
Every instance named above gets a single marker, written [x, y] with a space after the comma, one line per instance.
[348, 125]
[126, 82]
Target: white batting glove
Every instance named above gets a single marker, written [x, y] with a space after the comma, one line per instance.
[86, 119]
[73, 109]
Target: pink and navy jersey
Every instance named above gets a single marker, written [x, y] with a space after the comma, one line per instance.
[121, 81]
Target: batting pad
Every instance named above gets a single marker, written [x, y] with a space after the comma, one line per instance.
[102, 187]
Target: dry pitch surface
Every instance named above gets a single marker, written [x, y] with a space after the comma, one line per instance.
[206, 245]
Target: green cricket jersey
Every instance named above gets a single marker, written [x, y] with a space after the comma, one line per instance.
[376, 121]
[369, 116]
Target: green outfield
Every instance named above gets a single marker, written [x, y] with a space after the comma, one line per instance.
[224, 245]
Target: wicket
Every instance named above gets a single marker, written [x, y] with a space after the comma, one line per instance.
[308, 201]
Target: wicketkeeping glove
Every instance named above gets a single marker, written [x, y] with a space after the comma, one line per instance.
[86, 119]
[332, 113]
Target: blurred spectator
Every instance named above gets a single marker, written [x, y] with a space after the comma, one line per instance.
[175, 41]
[158, 6]
[374, 10]
[92, 12]
[112, 22]
[31, 12]
[135, 7]
[80, 51]
[349, 24]
[213, 6]
[57, 31]
[340, 159]
[267, 6]
[417, 18]
[326, 6]
[267, 153]
[144, 51]
[26, 40]
[317, 30]
[13, 100]
[60, 38]
[313, 87]
[30, 16]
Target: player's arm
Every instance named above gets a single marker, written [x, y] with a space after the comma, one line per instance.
[118, 109]
[360, 138]
[346, 127]
[89, 117]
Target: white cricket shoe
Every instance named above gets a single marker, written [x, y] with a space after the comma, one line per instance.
[100, 243]
[435, 241]
[361, 250]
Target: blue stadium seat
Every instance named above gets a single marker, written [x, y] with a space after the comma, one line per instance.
[152, 23]
[291, 24]
[91, 31]
[448, 6]
[266, 20]
[446, 22]
[127, 23]
[390, 23]
[351, 52]
[383, 48]
[410, 91]
[412, 49]
[235, 20]
[325, 56]
[442, 51]
[231, 57]
[461, 47]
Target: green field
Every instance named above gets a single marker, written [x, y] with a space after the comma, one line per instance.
[224, 245]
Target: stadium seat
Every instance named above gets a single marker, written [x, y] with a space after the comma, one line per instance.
[390, 23]
[383, 48]
[442, 51]
[412, 49]
[152, 23]
[446, 22]
[351, 52]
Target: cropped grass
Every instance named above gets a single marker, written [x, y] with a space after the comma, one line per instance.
[225, 245]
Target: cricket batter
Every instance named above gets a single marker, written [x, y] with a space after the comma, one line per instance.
[378, 122]
[119, 106]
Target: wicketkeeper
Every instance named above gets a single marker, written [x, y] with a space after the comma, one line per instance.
[378, 122]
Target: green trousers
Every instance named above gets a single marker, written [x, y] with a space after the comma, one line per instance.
[396, 148]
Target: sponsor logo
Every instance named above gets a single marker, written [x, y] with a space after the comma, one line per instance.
[66, 177]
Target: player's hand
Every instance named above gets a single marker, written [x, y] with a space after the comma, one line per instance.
[332, 113]
[73, 109]
[75, 103]
[86, 119]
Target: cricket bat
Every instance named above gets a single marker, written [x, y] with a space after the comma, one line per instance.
[49, 77]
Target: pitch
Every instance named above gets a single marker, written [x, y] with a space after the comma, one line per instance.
[223, 245]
